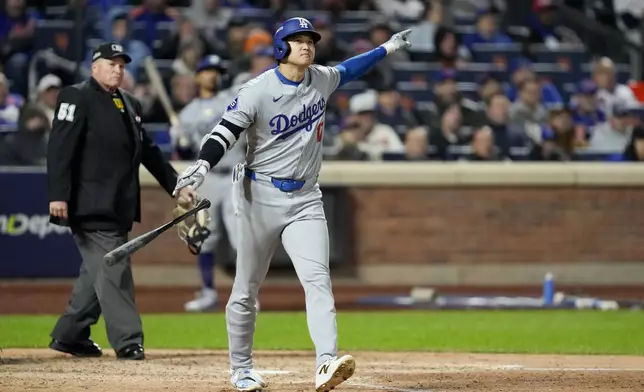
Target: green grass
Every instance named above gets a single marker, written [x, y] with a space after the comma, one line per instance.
[569, 332]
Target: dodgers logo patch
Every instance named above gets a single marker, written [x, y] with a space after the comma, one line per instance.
[233, 105]
[285, 126]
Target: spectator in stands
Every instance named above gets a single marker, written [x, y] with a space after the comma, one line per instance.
[557, 139]
[586, 112]
[612, 136]
[609, 90]
[416, 144]
[238, 29]
[446, 94]
[362, 137]
[520, 71]
[150, 13]
[48, 88]
[182, 91]
[489, 86]
[261, 61]
[505, 134]
[422, 34]
[528, 109]
[390, 110]
[379, 32]
[328, 49]
[409, 9]
[128, 84]
[483, 146]
[447, 133]
[210, 16]
[487, 31]
[27, 146]
[90, 17]
[635, 148]
[17, 26]
[544, 28]
[117, 28]
[187, 38]
[10, 104]
[448, 50]
[381, 74]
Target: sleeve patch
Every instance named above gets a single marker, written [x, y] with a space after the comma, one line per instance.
[233, 105]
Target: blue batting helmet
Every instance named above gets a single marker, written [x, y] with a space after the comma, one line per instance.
[211, 62]
[288, 28]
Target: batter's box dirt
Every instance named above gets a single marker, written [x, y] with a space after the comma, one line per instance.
[287, 371]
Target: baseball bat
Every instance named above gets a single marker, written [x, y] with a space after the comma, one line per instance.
[157, 83]
[139, 242]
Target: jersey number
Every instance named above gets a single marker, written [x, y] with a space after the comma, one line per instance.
[320, 130]
[66, 112]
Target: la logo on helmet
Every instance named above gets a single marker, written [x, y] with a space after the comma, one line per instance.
[303, 23]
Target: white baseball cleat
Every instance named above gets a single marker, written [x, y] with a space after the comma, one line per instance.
[247, 380]
[334, 372]
[205, 299]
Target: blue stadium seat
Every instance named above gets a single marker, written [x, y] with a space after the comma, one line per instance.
[555, 73]
[58, 35]
[359, 16]
[416, 92]
[350, 32]
[408, 71]
[501, 55]
[570, 57]
[163, 31]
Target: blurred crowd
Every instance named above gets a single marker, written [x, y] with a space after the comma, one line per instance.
[509, 110]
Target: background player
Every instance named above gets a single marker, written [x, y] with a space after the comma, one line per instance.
[196, 121]
[277, 196]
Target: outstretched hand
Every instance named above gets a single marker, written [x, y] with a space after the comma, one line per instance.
[397, 41]
[193, 176]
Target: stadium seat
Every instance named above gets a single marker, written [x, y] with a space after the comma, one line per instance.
[500, 55]
[58, 35]
[350, 32]
[570, 58]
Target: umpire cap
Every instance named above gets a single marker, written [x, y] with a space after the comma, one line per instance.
[110, 50]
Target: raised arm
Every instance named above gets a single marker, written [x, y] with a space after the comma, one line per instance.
[357, 66]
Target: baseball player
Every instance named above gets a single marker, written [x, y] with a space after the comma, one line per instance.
[196, 121]
[276, 195]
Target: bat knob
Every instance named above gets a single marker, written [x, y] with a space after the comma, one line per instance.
[109, 259]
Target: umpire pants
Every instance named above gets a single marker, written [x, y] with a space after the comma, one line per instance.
[101, 288]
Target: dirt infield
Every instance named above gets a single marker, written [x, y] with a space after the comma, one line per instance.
[45, 370]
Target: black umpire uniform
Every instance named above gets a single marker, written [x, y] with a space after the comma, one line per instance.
[96, 146]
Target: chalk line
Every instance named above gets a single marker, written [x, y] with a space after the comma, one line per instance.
[384, 388]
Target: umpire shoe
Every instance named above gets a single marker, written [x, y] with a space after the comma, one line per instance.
[133, 352]
[84, 349]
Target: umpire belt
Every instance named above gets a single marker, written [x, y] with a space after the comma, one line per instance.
[284, 185]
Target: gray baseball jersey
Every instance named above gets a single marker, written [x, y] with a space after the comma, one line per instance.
[284, 123]
[284, 126]
[197, 119]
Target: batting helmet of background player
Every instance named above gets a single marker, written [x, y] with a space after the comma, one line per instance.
[288, 29]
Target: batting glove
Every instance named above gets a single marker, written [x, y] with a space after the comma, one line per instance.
[397, 41]
[192, 176]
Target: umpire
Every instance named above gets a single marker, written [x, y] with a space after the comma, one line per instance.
[95, 148]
